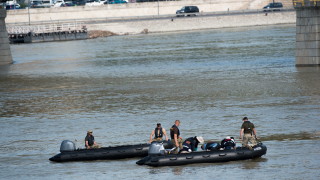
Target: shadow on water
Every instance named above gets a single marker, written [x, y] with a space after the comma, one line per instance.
[254, 163]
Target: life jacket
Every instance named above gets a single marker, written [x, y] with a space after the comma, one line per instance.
[90, 140]
[248, 127]
[172, 131]
[158, 133]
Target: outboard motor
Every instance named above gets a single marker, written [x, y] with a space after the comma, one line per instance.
[156, 148]
[67, 145]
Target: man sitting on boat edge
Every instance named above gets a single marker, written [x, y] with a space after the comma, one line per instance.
[89, 141]
[158, 133]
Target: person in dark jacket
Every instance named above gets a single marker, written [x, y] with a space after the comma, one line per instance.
[158, 134]
[175, 136]
[89, 141]
[248, 134]
[191, 144]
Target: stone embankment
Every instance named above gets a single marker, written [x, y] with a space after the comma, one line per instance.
[136, 18]
[152, 9]
[175, 24]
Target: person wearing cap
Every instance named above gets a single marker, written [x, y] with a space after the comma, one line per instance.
[248, 134]
[89, 141]
[191, 144]
[158, 134]
[175, 136]
[228, 143]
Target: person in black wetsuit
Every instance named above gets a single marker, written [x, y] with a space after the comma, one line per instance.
[89, 141]
[228, 143]
[191, 144]
[158, 134]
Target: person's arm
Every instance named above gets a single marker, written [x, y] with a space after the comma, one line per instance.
[151, 135]
[241, 133]
[255, 133]
[87, 145]
[165, 134]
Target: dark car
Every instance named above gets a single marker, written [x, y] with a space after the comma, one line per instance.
[273, 7]
[188, 11]
[69, 3]
[115, 2]
[9, 7]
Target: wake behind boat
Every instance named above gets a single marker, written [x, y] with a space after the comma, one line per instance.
[161, 159]
[68, 152]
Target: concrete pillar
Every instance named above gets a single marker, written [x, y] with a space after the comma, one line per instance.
[308, 35]
[5, 53]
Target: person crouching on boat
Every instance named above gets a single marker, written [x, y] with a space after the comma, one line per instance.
[191, 144]
[228, 143]
[211, 146]
[158, 134]
[89, 141]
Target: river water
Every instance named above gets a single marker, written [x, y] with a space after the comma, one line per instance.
[121, 86]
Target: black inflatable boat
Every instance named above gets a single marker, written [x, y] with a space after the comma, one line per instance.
[154, 159]
[68, 152]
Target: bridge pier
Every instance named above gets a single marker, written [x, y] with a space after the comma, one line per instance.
[307, 32]
[5, 53]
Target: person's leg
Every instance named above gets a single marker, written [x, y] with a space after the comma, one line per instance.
[180, 143]
[245, 140]
[252, 141]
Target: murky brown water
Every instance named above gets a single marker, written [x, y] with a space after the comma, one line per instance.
[122, 86]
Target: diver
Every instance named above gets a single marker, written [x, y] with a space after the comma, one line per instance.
[228, 143]
[191, 144]
[211, 146]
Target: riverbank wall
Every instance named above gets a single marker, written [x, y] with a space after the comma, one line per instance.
[129, 10]
[195, 23]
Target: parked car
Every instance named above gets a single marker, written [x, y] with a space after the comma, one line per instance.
[10, 4]
[13, 6]
[69, 3]
[115, 2]
[273, 7]
[188, 11]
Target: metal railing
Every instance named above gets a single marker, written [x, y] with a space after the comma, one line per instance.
[48, 28]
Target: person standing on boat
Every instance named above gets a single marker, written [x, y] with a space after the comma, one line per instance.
[89, 141]
[191, 144]
[175, 136]
[248, 134]
[158, 133]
